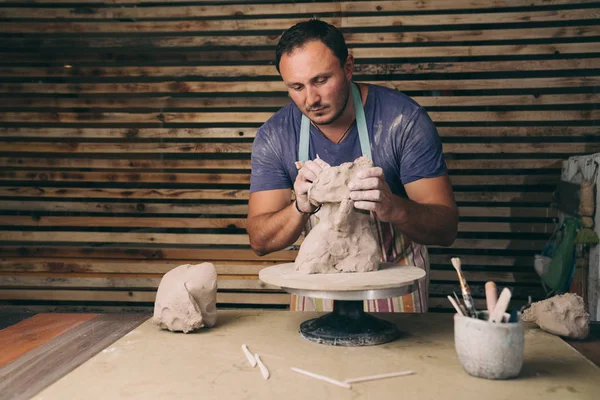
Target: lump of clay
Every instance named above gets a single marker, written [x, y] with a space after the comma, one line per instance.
[186, 298]
[344, 239]
[562, 315]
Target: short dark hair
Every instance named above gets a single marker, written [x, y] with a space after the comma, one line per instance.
[306, 31]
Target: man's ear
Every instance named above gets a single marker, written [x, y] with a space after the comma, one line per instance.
[349, 66]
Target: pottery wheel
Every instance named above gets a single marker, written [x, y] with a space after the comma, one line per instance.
[348, 324]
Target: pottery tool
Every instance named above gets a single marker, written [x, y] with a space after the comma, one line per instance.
[376, 377]
[455, 305]
[498, 314]
[491, 296]
[322, 378]
[460, 305]
[263, 369]
[249, 356]
[466, 292]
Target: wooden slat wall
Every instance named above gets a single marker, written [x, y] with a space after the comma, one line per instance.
[126, 131]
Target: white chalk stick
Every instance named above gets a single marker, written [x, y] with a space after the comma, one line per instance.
[322, 378]
[263, 369]
[375, 377]
[249, 356]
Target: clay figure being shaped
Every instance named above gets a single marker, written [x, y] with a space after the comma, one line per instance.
[187, 298]
[344, 239]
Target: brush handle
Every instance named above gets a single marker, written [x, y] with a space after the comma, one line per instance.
[468, 299]
[466, 294]
[501, 306]
[491, 296]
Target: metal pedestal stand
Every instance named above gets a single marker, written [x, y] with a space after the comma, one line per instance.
[347, 324]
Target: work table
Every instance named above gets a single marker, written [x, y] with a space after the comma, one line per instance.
[151, 363]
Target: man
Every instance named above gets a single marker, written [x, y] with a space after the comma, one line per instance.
[408, 191]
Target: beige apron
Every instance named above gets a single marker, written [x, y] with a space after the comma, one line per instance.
[394, 246]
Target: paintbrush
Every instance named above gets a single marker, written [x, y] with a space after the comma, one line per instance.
[466, 292]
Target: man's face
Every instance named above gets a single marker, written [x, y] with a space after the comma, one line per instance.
[316, 81]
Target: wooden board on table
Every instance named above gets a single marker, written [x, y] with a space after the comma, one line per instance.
[36, 369]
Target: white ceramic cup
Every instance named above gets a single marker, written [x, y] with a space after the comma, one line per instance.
[489, 350]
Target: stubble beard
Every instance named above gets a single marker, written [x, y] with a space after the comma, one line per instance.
[345, 93]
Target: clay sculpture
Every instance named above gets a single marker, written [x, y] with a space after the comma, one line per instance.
[186, 298]
[562, 315]
[344, 239]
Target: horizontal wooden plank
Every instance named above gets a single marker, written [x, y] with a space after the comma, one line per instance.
[131, 133]
[261, 117]
[73, 147]
[15, 277]
[126, 268]
[233, 209]
[20, 282]
[45, 42]
[131, 296]
[172, 104]
[193, 25]
[236, 133]
[65, 260]
[508, 212]
[243, 71]
[127, 118]
[237, 178]
[57, 267]
[119, 176]
[59, 257]
[277, 86]
[187, 11]
[134, 223]
[197, 194]
[125, 237]
[227, 147]
[128, 165]
[418, 4]
[120, 57]
[181, 256]
[219, 239]
[117, 281]
[142, 207]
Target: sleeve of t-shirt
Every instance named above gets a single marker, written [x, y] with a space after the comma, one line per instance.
[421, 149]
[268, 170]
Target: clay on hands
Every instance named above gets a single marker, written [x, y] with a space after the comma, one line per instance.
[186, 298]
[344, 239]
[562, 315]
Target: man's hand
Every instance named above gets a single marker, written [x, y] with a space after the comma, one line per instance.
[429, 214]
[306, 175]
[371, 192]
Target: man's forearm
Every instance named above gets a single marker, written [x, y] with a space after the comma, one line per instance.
[428, 224]
[275, 231]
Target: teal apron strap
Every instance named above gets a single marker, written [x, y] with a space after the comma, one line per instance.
[304, 139]
[361, 124]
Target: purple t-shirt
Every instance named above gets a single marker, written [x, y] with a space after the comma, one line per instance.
[404, 143]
